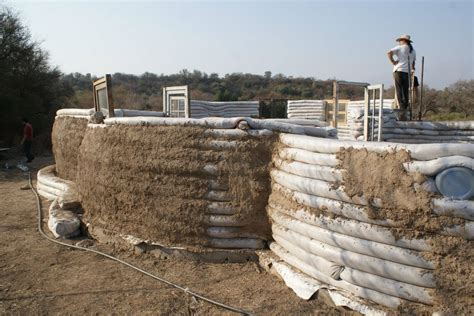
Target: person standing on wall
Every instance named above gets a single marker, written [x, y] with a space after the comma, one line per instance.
[404, 52]
[27, 140]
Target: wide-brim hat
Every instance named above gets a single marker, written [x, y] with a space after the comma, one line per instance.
[405, 37]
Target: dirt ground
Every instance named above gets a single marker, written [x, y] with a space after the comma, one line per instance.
[39, 277]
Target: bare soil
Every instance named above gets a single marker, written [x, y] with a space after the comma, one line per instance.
[39, 277]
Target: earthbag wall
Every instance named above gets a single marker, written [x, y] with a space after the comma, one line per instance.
[181, 182]
[307, 109]
[382, 239]
[201, 109]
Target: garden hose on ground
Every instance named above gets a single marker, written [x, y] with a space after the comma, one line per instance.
[186, 290]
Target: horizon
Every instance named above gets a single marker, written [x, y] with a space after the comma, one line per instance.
[302, 39]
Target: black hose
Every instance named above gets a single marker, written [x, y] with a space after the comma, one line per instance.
[186, 290]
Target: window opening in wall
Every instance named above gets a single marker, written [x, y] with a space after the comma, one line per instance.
[176, 101]
[341, 113]
[102, 92]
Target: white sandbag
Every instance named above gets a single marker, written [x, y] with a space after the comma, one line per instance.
[133, 113]
[309, 157]
[375, 296]
[435, 166]
[238, 133]
[413, 141]
[211, 169]
[432, 138]
[216, 185]
[314, 187]
[223, 220]
[306, 116]
[47, 177]
[287, 128]
[326, 267]
[354, 228]
[418, 152]
[456, 208]
[429, 186]
[354, 244]
[465, 231]
[80, 117]
[219, 196]
[315, 123]
[50, 190]
[461, 125]
[229, 232]
[305, 287]
[63, 224]
[236, 243]
[409, 131]
[391, 287]
[348, 210]
[47, 195]
[310, 171]
[359, 278]
[222, 208]
[311, 187]
[372, 265]
[75, 112]
[207, 122]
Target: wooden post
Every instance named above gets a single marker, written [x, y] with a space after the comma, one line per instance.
[420, 112]
[335, 103]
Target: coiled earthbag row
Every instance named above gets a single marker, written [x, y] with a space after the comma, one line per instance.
[352, 251]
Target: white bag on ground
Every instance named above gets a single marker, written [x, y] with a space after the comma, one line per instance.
[63, 224]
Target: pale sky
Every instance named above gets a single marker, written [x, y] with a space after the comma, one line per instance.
[322, 39]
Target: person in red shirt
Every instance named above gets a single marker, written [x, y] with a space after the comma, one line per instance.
[27, 139]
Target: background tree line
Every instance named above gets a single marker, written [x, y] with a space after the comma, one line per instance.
[145, 91]
[31, 87]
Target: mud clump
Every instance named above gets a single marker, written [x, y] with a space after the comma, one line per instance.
[382, 177]
[246, 171]
[453, 258]
[67, 136]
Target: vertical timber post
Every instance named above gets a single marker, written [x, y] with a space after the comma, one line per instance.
[420, 112]
[335, 103]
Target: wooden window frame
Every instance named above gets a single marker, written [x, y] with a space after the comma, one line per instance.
[100, 84]
[177, 92]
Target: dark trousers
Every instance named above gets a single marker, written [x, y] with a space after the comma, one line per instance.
[27, 149]
[402, 88]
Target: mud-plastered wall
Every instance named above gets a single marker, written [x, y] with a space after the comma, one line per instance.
[187, 186]
[366, 220]
[67, 135]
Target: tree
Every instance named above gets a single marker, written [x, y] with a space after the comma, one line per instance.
[29, 86]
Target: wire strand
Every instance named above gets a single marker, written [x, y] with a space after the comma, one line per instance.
[186, 290]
